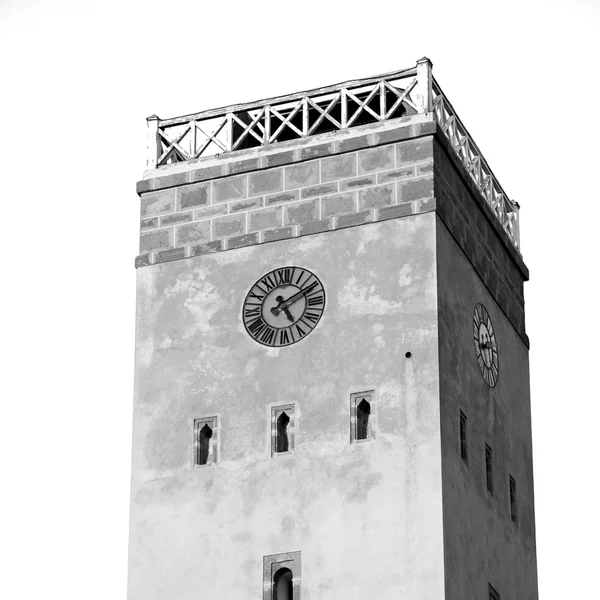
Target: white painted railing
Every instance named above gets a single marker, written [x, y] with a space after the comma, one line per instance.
[331, 108]
[506, 210]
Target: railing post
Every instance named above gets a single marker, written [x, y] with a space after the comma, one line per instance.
[267, 125]
[516, 229]
[423, 93]
[152, 141]
[229, 131]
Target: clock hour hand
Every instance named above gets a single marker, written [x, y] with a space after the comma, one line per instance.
[487, 345]
[283, 305]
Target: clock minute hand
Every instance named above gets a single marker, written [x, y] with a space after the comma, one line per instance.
[283, 305]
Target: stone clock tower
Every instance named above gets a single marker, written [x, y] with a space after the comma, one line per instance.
[332, 383]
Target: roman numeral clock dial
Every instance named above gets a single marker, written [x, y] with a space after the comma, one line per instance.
[486, 346]
[283, 306]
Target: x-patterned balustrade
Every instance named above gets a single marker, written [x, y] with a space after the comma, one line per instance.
[331, 108]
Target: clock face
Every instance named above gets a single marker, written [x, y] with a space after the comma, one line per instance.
[283, 306]
[486, 346]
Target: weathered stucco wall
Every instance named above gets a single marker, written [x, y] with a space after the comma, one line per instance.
[481, 543]
[367, 517]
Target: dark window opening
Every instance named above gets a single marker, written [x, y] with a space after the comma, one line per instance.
[512, 484]
[283, 586]
[282, 442]
[494, 595]
[489, 470]
[464, 454]
[204, 436]
[363, 410]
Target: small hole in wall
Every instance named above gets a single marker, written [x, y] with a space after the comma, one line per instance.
[408, 354]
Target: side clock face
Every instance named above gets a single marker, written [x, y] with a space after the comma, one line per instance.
[486, 346]
[284, 306]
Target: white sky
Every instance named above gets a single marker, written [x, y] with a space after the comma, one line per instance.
[79, 79]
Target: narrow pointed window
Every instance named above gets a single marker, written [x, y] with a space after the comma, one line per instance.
[512, 488]
[363, 410]
[204, 444]
[489, 470]
[361, 416]
[464, 448]
[282, 435]
[283, 587]
[205, 441]
[282, 429]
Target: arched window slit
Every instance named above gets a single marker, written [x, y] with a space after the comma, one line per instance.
[283, 585]
[282, 433]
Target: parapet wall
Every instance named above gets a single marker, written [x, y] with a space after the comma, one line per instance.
[361, 178]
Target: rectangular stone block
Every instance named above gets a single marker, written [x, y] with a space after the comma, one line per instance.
[229, 226]
[366, 216]
[320, 190]
[392, 135]
[338, 204]
[169, 255]
[427, 128]
[158, 203]
[143, 186]
[208, 248]
[413, 151]
[177, 218]
[149, 223]
[425, 168]
[153, 240]
[301, 175]
[425, 205]
[393, 212]
[246, 204]
[230, 188]
[281, 158]
[210, 211]
[316, 227]
[376, 159]
[244, 165]
[282, 233]
[285, 197]
[302, 212]
[207, 173]
[269, 218]
[357, 182]
[193, 233]
[170, 181]
[404, 173]
[191, 196]
[239, 241]
[415, 189]
[316, 151]
[143, 260]
[354, 143]
[339, 167]
[265, 182]
[376, 197]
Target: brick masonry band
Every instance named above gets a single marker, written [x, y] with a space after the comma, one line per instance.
[291, 195]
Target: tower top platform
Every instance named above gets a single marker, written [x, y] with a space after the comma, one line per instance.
[223, 136]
